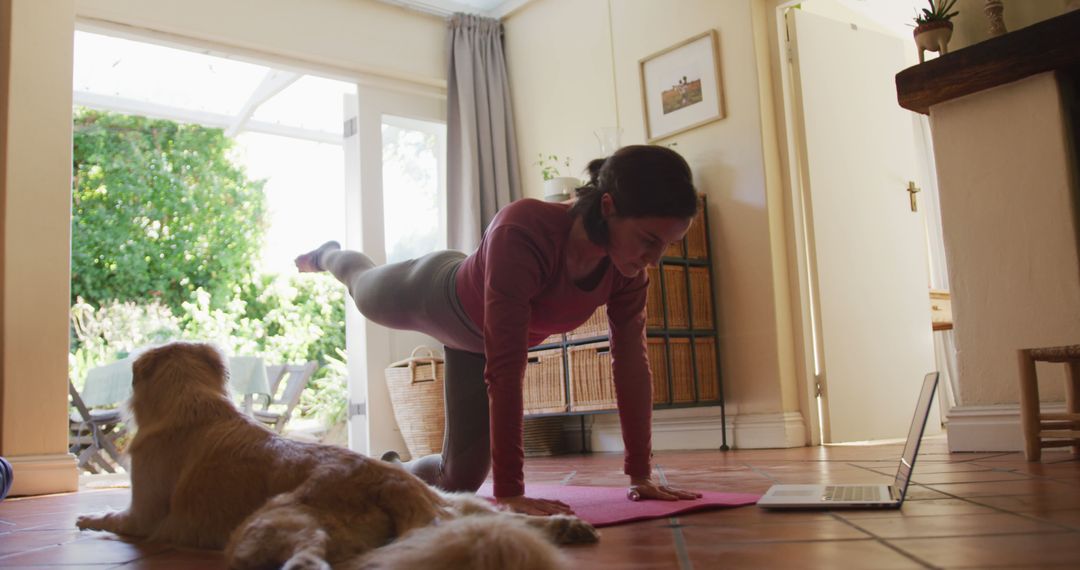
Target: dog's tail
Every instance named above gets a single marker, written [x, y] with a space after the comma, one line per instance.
[468, 543]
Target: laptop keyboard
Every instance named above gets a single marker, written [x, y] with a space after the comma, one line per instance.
[852, 493]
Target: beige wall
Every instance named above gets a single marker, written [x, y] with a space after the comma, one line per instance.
[5, 72]
[36, 254]
[574, 68]
[352, 35]
[971, 26]
[1008, 201]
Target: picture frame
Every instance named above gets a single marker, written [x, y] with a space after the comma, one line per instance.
[681, 87]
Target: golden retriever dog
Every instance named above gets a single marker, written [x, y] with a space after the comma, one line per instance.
[204, 475]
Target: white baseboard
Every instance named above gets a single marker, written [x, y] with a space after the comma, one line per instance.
[989, 428]
[770, 431]
[44, 474]
[694, 428]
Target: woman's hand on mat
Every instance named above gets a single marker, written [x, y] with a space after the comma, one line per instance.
[647, 489]
[540, 507]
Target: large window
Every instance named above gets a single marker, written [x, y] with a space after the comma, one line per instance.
[414, 187]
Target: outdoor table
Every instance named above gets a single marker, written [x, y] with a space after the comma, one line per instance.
[111, 383]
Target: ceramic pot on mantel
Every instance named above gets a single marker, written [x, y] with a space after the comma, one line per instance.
[933, 36]
[560, 188]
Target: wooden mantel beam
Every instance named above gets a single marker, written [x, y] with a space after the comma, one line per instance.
[1049, 45]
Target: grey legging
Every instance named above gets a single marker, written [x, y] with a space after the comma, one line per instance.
[420, 295]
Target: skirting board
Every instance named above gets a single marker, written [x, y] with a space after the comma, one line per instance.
[44, 474]
[989, 428]
[770, 431]
[696, 428]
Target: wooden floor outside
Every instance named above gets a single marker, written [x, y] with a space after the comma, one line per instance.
[964, 510]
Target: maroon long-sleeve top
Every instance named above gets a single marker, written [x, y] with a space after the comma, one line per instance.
[516, 288]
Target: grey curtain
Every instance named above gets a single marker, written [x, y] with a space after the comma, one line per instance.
[482, 172]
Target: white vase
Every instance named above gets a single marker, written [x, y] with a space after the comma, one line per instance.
[609, 138]
[560, 188]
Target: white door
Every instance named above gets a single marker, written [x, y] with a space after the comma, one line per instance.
[395, 147]
[866, 247]
[356, 337]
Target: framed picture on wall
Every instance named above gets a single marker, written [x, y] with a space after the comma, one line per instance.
[680, 87]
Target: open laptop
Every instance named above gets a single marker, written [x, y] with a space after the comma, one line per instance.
[861, 496]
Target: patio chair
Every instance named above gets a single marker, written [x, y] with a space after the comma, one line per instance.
[92, 436]
[296, 377]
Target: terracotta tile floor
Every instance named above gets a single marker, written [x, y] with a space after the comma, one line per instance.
[970, 510]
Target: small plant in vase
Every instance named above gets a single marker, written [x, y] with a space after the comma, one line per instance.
[933, 27]
[557, 187]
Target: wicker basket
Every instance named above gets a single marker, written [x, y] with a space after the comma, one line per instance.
[708, 370]
[701, 297]
[553, 339]
[678, 316]
[597, 325]
[654, 301]
[658, 366]
[542, 437]
[682, 370]
[544, 390]
[675, 249]
[696, 239]
[416, 392]
[591, 384]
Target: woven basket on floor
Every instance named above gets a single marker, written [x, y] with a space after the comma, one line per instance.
[416, 392]
[543, 436]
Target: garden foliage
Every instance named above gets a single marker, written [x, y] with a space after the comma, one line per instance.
[166, 232]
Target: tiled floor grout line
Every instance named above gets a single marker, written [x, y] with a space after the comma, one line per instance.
[974, 501]
[1035, 476]
[761, 472]
[676, 530]
[38, 549]
[973, 459]
[569, 476]
[883, 542]
[916, 483]
[163, 552]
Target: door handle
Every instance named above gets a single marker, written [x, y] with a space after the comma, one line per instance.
[912, 189]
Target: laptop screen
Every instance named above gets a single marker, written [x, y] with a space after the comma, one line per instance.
[918, 425]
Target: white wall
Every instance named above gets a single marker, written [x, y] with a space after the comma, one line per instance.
[574, 68]
[1008, 200]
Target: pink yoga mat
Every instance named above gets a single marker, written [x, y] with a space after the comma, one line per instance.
[607, 506]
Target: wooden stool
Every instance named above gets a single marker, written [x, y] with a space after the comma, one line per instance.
[1064, 429]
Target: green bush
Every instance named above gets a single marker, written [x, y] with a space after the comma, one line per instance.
[159, 211]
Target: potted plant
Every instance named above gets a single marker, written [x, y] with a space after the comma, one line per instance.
[557, 187]
[933, 27]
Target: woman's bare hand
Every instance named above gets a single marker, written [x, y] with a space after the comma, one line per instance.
[645, 489]
[539, 507]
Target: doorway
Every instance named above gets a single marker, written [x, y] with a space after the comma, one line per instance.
[861, 265]
[286, 127]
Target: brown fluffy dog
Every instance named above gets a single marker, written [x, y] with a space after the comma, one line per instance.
[204, 475]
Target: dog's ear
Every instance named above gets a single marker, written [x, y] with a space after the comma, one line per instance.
[214, 362]
[145, 365]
